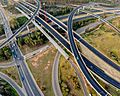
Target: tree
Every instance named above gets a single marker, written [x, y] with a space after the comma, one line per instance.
[1, 29]
[14, 23]
[7, 53]
[21, 20]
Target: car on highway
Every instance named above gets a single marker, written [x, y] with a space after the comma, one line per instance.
[18, 66]
[22, 78]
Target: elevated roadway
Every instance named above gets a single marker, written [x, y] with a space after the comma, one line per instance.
[80, 60]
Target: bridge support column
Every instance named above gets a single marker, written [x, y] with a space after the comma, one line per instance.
[28, 28]
[83, 8]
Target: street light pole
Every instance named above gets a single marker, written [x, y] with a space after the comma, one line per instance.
[41, 4]
[45, 13]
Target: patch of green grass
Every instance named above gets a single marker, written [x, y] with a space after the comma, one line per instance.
[106, 40]
[13, 73]
[41, 68]
[112, 90]
[21, 20]
[69, 82]
[109, 88]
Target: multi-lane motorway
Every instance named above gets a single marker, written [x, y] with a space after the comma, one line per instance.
[47, 27]
[69, 49]
[80, 60]
[24, 72]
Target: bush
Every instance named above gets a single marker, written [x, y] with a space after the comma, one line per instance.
[1, 30]
[82, 23]
[5, 53]
[21, 20]
[32, 39]
[6, 89]
[60, 11]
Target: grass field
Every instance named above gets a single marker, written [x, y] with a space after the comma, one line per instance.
[41, 68]
[68, 79]
[106, 40]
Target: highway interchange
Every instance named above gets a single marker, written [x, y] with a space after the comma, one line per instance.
[66, 43]
[54, 34]
[83, 63]
[80, 39]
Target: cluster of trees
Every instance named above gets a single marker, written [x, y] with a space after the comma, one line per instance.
[21, 20]
[5, 53]
[15, 23]
[32, 39]
[77, 1]
[66, 87]
[82, 23]
[68, 79]
[6, 89]
[61, 11]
